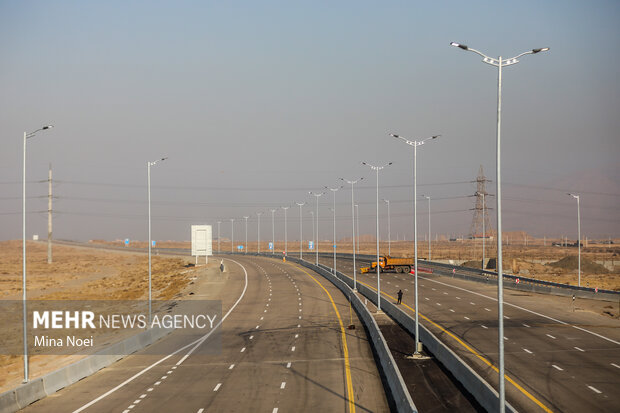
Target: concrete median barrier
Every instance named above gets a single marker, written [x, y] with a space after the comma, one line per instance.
[28, 393]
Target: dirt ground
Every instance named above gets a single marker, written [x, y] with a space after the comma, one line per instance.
[79, 274]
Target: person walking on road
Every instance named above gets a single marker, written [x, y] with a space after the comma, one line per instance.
[400, 296]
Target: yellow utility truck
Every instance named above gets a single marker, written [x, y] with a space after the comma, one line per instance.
[399, 265]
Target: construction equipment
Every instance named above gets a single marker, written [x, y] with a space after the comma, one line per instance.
[399, 265]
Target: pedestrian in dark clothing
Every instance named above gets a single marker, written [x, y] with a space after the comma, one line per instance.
[400, 296]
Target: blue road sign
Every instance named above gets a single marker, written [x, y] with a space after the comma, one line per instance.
[310, 245]
[153, 243]
[126, 241]
[239, 247]
[271, 245]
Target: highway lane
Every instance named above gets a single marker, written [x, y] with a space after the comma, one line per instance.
[556, 359]
[282, 349]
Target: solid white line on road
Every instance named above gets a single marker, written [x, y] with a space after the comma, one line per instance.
[529, 311]
[288, 365]
[615, 365]
[217, 387]
[557, 367]
[293, 348]
[527, 351]
[483, 326]
[243, 349]
[549, 335]
[594, 389]
[231, 367]
[283, 385]
[580, 349]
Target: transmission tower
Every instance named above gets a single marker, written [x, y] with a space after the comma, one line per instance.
[481, 211]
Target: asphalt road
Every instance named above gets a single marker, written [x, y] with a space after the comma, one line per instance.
[284, 347]
[556, 359]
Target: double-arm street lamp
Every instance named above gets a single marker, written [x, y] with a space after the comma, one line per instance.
[273, 232]
[377, 169]
[27, 135]
[429, 225]
[415, 145]
[334, 190]
[387, 201]
[499, 63]
[285, 232]
[578, 239]
[301, 253]
[148, 179]
[258, 214]
[353, 228]
[316, 235]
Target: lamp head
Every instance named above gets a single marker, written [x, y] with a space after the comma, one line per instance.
[47, 127]
[543, 49]
[461, 46]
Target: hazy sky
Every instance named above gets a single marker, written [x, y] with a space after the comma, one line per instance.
[257, 103]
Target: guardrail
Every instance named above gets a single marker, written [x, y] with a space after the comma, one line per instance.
[41, 387]
[475, 385]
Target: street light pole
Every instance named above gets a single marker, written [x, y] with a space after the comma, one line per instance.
[25, 326]
[316, 235]
[499, 63]
[246, 234]
[219, 251]
[357, 225]
[579, 238]
[301, 253]
[429, 226]
[353, 228]
[377, 169]
[285, 232]
[148, 174]
[415, 144]
[273, 232]
[334, 190]
[387, 201]
[232, 235]
[258, 214]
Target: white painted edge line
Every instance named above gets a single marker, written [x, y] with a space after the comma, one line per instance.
[196, 342]
[615, 365]
[525, 309]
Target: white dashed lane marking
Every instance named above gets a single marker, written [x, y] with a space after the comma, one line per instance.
[580, 349]
[217, 387]
[557, 367]
[594, 389]
[527, 351]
